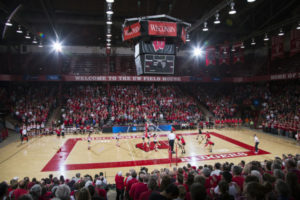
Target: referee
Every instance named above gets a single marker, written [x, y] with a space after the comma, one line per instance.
[171, 138]
[256, 141]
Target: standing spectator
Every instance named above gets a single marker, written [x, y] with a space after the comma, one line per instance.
[171, 192]
[3, 190]
[21, 190]
[119, 179]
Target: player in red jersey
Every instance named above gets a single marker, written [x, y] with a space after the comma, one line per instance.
[155, 141]
[207, 137]
[182, 141]
[209, 144]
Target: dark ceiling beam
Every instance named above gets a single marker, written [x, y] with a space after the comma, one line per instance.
[277, 13]
[212, 13]
[74, 21]
[49, 19]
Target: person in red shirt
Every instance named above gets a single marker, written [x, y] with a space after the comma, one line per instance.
[20, 191]
[138, 188]
[237, 177]
[152, 186]
[207, 136]
[182, 144]
[119, 179]
[209, 144]
[130, 183]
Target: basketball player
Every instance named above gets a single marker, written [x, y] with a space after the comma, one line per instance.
[118, 138]
[89, 141]
[143, 138]
[297, 136]
[256, 141]
[149, 138]
[209, 144]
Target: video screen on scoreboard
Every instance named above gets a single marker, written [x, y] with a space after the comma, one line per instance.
[159, 64]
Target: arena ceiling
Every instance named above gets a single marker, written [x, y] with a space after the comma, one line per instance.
[83, 22]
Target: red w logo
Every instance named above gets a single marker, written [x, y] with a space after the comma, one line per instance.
[158, 44]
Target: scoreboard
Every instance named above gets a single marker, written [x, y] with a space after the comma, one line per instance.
[159, 64]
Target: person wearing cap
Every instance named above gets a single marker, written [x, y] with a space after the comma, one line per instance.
[119, 179]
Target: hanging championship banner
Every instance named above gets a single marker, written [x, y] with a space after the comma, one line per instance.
[224, 57]
[277, 47]
[238, 54]
[295, 42]
[210, 56]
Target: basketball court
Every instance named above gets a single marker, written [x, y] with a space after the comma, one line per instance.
[66, 156]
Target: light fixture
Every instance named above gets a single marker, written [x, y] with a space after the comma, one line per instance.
[108, 40]
[266, 37]
[253, 42]
[232, 11]
[251, 1]
[57, 46]
[233, 49]
[281, 33]
[27, 36]
[108, 44]
[109, 12]
[34, 41]
[298, 26]
[188, 37]
[198, 51]
[8, 23]
[108, 22]
[205, 26]
[217, 21]
[224, 52]
[242, 46]
[40, 45]
[19, 30]
[110, 1]
[108, 35]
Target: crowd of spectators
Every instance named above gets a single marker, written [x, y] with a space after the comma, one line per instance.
[32, 105]
[85, 105]
[127, 104]
[281, 110]
[271, 179]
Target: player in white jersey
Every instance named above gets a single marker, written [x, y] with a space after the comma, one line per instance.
[24, 135]
[43, 128]
[28, 129]
[118, 138]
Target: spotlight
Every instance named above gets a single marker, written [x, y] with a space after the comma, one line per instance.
[8, 23]
[19, 29]
[108, 44]
[251, 1]
[205, 26]
[242, 46]
[253, 42]
[108, 35]
[232, 10]
[110, 1]
[109, 12]
[109, 22]
[298, 27]
[198, 51]
[266, 37]
[281, 33]
[27, 36]
[108, 40]
[217, 21]
[224, 52]
[57, 46]
[233, 49]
